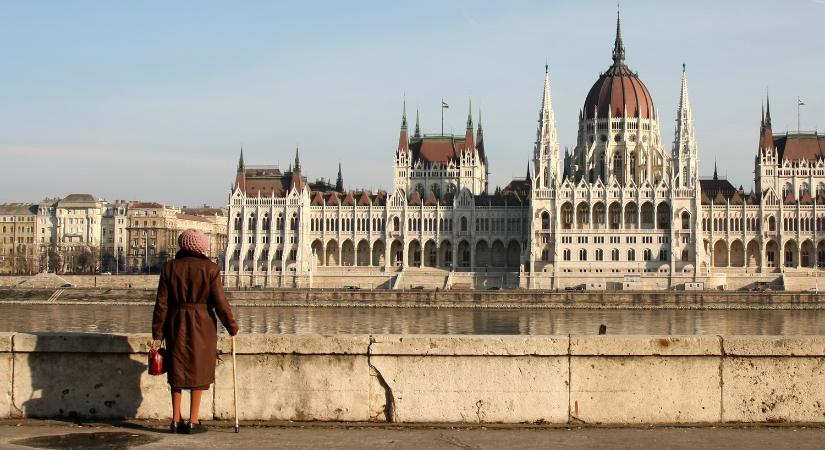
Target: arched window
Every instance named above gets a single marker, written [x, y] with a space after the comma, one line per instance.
[631, 255]
[614, 254]
[545, 220]
[582, 255]
[632, 166]
[617, 167]
[436, 189]
[252, 223]
[647, 254]
[463, 224]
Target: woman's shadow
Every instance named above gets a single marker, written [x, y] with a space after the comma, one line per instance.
[79, 376]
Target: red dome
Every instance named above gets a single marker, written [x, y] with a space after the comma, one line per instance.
[618, 90]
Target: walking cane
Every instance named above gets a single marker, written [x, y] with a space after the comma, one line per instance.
[235, 384]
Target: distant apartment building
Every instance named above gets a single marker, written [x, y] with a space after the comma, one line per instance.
[153, 231]
[81, 233]
[18, 247]
[114, 237]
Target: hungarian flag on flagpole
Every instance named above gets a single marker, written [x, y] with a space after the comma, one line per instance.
[799, 101]
[444, 104]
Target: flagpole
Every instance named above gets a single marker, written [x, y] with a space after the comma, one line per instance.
[798, 104]
[442, 117]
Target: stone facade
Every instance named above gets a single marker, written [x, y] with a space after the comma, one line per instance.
[153, 231]
[18, 244]
[82, 234]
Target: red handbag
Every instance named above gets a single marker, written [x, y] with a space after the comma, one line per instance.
[157, 361]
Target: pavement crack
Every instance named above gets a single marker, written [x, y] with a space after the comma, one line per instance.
[389, 398]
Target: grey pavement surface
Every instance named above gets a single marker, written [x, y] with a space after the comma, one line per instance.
[151, 435]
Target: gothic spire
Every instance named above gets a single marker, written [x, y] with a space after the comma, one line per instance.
[339, 182]
[546, 150]
[480, 131]
[685, 154]
[240, 161]
[403, 135]
[715, 172]
[417, 126]
[297, 161]
[618, 46]
[766, 131]
[404, 115]
[470, 116]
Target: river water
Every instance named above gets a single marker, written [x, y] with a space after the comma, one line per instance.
[397, 320]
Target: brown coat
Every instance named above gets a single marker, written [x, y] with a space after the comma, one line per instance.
[190, 294]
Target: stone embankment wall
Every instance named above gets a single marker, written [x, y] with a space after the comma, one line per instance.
[471, 379]
[81, 281]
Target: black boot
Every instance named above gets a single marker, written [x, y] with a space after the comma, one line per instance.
[175, 427]
[195, 428]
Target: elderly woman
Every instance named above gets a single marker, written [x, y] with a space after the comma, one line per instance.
[190, 296]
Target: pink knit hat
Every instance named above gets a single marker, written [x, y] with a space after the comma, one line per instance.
[193, 241]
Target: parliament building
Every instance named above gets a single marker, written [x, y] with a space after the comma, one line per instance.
[624, 210]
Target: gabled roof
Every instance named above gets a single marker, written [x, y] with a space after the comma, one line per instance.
[349, 200]
[364, 199]
[317, 199]
[736, 199]
[415, 199]
[431, 200]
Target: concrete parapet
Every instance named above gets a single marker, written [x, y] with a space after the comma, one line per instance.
[416, 378]
[469, 345]
[774, 345]
[628, 345]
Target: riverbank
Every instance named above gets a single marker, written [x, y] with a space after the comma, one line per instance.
[442, 299]
[564, 379]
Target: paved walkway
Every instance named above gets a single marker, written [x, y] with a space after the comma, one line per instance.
[149, 435]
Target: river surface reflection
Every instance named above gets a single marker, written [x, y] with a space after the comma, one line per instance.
[357, 320]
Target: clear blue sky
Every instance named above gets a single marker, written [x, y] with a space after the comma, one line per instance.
[152, 100]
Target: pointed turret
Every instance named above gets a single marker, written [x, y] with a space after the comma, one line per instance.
[618, 46]
[527, 177]
[546, 150]
[480, 140]
[766, 132]
[417, 133]
[297, 167]
[240, 177]
[404, 137]
[339, 182]
[685, 154]
[468, 135]
[715, 172]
